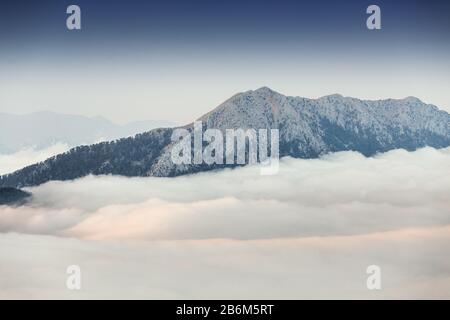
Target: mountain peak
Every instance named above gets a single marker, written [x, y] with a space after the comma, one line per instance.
[412, 99]
[265, 91]
[332, 96]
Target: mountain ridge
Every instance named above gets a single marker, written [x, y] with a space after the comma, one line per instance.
[308, 128]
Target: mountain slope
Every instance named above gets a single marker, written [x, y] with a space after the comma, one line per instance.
[311, 127]
[131, 156]
[308, 128]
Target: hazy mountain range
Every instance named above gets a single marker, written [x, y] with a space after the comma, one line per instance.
[41, 130]
[308, 129]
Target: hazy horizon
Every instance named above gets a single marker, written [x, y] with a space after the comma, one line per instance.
[177, 61]
[175, 123]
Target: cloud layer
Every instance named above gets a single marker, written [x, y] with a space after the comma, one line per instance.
[308, 232]
[12, 162]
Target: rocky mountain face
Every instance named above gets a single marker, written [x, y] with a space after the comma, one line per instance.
[308, 128]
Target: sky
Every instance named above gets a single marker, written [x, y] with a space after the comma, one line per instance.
[176, 60]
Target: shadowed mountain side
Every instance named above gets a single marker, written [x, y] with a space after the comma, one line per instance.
[132, 156]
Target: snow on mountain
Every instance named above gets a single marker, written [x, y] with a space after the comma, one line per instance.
[308, 128]
[312, 127]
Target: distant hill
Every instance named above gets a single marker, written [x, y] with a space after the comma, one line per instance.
[308, 129]
[13, 196]
[40, 130]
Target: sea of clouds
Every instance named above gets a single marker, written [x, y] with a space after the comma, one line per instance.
[309, 231]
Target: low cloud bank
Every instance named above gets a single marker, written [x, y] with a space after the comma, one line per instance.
[309, 231]
[414, 264]
[340, 194]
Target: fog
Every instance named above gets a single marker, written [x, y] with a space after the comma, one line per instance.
[309, 231]
[12, 162]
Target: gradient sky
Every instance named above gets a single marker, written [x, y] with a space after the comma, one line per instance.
[176, 60]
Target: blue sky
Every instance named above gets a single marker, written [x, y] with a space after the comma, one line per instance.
[176, 60]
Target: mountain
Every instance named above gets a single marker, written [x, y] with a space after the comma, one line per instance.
[40, 130]
[308, 128]
[13, 196]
